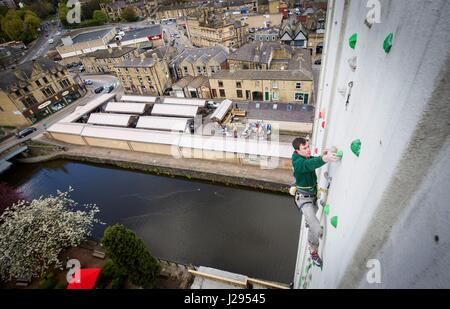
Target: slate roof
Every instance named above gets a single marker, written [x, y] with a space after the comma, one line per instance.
[8, 78]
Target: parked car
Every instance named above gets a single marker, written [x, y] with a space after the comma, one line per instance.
[318, 61]
[51, 41]
[88, 82]
[109, 88]
[212, 104]
[99, 89]
[26, 132]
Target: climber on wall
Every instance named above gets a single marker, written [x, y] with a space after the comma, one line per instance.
[305, 190]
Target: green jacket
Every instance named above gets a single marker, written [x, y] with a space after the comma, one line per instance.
[304, 172]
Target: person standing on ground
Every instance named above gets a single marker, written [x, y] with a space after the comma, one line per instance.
[304, 166]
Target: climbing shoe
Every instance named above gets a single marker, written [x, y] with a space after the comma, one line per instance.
[316, 258]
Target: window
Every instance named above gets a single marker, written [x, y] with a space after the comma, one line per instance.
[239, 93]
[298, 85]
[213, 69]
[38, 83]
[274, 85]
[298, 96]
[199, 70]
[275, 96]
[29, 101]
[48, 91]
[289, 107]
[238, 85]
[220, 83]
[214, 93]
[45, 80]
[64, 83]
[222, 93]
[185, 69]
[275, 106]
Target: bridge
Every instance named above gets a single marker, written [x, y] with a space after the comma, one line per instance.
[9, 154]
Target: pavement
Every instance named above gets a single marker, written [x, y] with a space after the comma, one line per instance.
[220, 169]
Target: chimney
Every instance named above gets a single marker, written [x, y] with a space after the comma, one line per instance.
[155, 58]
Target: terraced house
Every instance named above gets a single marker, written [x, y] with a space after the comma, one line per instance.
[144, 75]
[33, 90]
[104, 60]
[142, 8]
[206, 29]
[267, 72]
[199, 62]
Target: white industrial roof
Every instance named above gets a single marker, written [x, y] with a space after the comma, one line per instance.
[132, 108]
[179, 101]
[175, 110]
[238, 145]
[109, 119]
[222, 110]
[67, 127]
[162, 123]
[137, 98]
[133, 135]
[99, 100]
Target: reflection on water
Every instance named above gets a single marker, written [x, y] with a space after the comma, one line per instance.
[243, 231]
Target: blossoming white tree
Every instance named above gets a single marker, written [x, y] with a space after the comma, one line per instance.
[32, 235]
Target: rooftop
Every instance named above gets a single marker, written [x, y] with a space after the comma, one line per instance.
[205, 54]
[290, 112]
[295, 58]
[152, 30]
[112, 52]
[22, 73]
[90, 36]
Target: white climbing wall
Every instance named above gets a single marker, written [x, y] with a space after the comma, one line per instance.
[392, 201]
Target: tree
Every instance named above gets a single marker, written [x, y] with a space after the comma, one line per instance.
[100, 17]
[42, 8]
[12, 25]
[31, 24]
[33, 234]
[62, 12]
[8, 196]
[129, 14]
[88, 8]
[130, 254]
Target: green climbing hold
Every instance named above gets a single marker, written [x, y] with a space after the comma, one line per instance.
[326, 209]
[339, 154]
[388, 42]
[352, 41]
[334, 221]
[356, 147]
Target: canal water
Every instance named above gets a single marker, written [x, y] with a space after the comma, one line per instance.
[243, 231]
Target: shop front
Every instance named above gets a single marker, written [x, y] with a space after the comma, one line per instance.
[54, 103]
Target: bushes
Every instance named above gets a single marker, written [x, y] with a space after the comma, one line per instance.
[111, 276]
[130, 256]
[48, 281]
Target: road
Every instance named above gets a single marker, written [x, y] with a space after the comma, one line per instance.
[41, 46]
[43, 124]
[180, 43]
